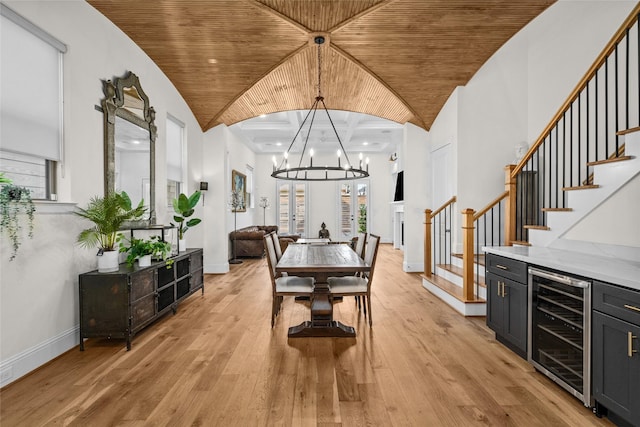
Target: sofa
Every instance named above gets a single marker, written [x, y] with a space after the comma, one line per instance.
[249, 240]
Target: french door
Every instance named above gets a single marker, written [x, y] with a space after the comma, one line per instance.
[292, 208]
[354, 208]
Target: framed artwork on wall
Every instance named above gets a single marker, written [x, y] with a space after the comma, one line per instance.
[239, 186]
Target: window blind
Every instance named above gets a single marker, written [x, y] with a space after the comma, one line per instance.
[30, 83]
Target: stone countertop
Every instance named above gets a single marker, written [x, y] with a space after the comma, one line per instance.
[610, 270]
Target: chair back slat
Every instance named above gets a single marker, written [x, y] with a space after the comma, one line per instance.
[276, 245]
[371, 253]
[271, 258]
[360, 244]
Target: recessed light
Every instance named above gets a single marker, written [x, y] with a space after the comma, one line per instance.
[279, 144]
[263, 115]
[212, 61]
[365, 143]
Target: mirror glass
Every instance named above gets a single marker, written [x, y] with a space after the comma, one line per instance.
[129, 137]
[132, 161]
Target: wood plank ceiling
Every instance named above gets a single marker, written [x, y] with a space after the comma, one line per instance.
[397, 59]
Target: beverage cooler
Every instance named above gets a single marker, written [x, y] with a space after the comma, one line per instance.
[560, 330]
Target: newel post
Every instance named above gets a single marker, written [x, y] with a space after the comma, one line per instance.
[467, 254]
[427, 242]
[510, 206]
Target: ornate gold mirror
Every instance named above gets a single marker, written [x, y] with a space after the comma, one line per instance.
[129, 141]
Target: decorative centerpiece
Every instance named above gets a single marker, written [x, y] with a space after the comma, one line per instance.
[184, 208]
[107, 213]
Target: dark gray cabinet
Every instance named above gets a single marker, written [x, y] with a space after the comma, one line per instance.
[119, 304]
[506, 281]
[616, 352]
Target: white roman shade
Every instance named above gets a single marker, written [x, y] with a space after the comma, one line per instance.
[31, 87]
[175, 130]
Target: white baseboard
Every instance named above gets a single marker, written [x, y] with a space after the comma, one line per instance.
[475, 309]
[30, 359]
[410, 267]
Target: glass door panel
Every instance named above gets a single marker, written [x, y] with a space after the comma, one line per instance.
[292, 208]
[354, 206]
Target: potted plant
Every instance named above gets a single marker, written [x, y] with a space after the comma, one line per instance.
[107, 213]
[184, 208]
[145, 249]
[15, 201]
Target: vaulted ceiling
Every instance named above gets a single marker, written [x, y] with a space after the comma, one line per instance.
[397, 59]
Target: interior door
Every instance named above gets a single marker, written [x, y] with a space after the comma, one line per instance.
[292, 208]
[354, 208]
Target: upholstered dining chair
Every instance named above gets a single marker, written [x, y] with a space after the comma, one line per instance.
[284, 285]
[359, 249]
[276, 245]
[358, 285]
[362, 238]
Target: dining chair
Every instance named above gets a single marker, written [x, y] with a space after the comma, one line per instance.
[359, 249]
[358, 285]
[284, 285]
[276, 244]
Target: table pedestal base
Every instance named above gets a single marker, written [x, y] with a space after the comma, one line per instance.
[333, 329]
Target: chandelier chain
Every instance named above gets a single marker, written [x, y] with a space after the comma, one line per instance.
[319, 72]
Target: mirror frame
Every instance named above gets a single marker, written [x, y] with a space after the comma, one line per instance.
[112, 107]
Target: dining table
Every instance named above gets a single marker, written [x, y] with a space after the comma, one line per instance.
[321, 262]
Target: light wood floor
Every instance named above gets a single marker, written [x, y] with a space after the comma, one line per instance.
[217, 362]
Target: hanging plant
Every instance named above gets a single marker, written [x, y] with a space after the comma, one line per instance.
[14, 201]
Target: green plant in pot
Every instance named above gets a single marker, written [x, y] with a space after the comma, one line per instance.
[184, 208]
[144, 250]
[107, 213]
[14, 202]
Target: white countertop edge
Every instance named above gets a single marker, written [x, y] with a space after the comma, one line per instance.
[610, 270]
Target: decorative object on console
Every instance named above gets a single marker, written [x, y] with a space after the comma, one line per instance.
[145, 249]
[14, 201]
[108, 214]
[184, 207]
[264, 204]
[348, 171]
[236, 201]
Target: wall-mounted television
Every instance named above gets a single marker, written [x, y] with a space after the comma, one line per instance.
[399, 194]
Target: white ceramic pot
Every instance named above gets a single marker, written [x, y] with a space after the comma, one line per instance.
[144, 261]
[108, 261]
[182, 245]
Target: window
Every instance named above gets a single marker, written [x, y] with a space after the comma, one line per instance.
[353, 200]
[292, 207]
[175, 137]
[31, 132]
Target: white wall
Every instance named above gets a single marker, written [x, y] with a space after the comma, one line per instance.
[38, 290]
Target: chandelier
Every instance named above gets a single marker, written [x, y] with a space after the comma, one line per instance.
[343, 170]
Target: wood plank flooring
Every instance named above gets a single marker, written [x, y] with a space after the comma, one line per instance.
[217, 362]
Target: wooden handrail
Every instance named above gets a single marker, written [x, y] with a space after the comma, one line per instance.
[443, 207]
[490, 205]
[609, 48]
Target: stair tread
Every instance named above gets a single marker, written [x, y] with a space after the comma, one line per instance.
[610, 160]
[557, 209]
[458, 271]
[536, 227]
[580, 187]
[479, 258]
[521, 243]
[451, 288]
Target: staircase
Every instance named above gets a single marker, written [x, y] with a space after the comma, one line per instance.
[581, 159]
[608, 177]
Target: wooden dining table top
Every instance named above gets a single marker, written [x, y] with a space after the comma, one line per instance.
[332, 258]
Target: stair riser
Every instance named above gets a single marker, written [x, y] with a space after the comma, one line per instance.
[610, 177]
